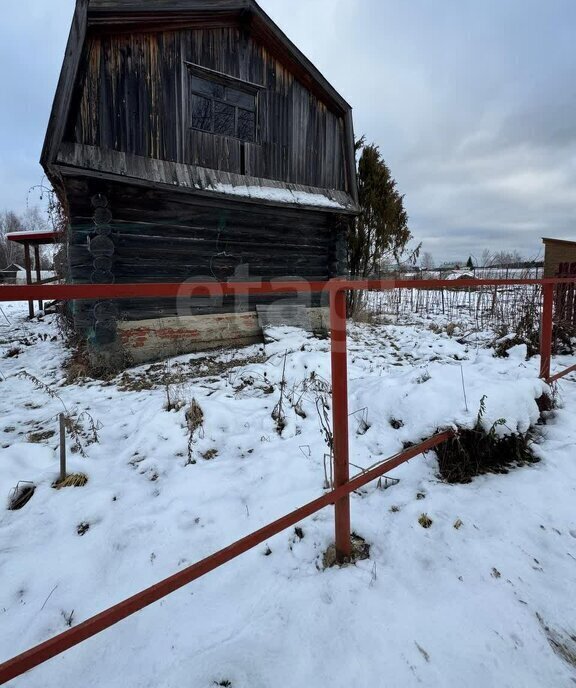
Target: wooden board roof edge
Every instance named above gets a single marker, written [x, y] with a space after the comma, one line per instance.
[69, 170]
[163, 5]
[121, 163]
[547, 240]
[122, 166]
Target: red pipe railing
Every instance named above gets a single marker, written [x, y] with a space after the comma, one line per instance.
[60, 643]
[71, 292]
[560, 375]
[340, 496]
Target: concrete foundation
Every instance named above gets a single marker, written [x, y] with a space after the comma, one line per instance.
[145, 341]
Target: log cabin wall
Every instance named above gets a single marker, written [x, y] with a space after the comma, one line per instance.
[134, 98]
[171, 236]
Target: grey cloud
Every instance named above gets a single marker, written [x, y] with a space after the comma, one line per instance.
[472, 102]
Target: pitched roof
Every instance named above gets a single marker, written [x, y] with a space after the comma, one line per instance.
[122, 15]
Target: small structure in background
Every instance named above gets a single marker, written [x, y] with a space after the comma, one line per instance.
[192, 140]
[9, 275]
[560, 261]
[559, 258]
[33, 241]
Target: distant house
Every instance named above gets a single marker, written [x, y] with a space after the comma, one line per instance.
[9, 275]
[191, 139]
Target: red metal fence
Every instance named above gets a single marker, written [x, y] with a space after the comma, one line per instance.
[344, 486]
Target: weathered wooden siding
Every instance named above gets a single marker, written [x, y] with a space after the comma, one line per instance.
[133, 94]
[164, 236]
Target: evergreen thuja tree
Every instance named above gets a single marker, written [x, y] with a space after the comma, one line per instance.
[381, 230]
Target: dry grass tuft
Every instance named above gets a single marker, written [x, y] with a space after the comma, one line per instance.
[477, 452]
[194, 416]
[425, 521]
[21, 495]
[562, 642]
[195, 422]
[210, 454]
[74, 480]
[41, 436]
[178, 373]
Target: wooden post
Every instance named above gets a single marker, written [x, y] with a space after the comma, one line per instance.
[28, 266]
[546, 331]
[38, 271]
[62, 448]
[340, 420]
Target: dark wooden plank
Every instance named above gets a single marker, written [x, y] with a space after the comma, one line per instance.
[168, 5]
[152, 172]
[253, 17]
[300, 140]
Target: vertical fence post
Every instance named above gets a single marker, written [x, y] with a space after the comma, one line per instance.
[38, 270]
[340, 418]
[62, 447]
[28, 266]
[546, 330]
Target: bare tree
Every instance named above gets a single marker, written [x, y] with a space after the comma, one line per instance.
[34, 220]
[507, 259]
[486, 258]
[10, 252]
[427, 262]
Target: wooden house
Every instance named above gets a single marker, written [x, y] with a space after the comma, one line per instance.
[9, 275]
[189, 140]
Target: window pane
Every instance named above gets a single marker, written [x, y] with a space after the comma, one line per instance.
[246, 125]
[241, 98]
[201, 113]
[224, 119]
[207, 88]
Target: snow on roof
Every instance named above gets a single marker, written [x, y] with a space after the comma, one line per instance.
[278, 195]
[34, 235]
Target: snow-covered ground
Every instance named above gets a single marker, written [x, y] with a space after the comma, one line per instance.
[483, 598]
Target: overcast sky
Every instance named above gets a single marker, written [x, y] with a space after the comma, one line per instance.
[472, 102]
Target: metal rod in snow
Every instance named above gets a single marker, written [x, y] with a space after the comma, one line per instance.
[62, 447]
[464, 387]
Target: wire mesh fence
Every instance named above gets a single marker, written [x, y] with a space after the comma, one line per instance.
[513, 311]
[502, 309]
